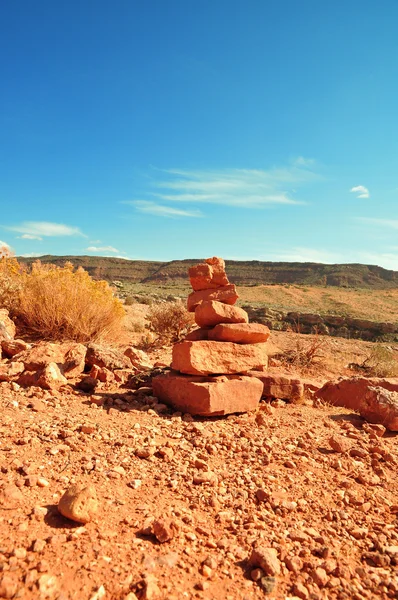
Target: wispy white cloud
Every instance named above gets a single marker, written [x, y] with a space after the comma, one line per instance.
[301, 161]
[29, 236]
[31, 255]
[102, 249]
[388, 223]
[361, 191]
[159, 210]
[249, 188]
[40, 229]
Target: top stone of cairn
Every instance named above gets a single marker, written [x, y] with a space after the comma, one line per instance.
[208, 275]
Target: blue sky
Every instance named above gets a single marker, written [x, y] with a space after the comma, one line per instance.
[256, 129]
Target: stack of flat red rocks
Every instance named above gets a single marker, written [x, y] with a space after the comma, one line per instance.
[209, 366]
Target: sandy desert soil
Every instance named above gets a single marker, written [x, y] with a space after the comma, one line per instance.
[218, 486]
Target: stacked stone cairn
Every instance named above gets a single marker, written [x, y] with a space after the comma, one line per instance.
[209, 367]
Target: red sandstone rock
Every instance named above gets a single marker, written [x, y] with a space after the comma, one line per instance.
[266, 559]
[197, 335]
[208, 357]
[138, 358]
[48, 378]
[208, 395]
[69, 356]
[283, 386]
[226, 294]
[7, 327]
[208, 275]
[349, 391]
[11, 370]
[51, 377]
[103, 356]
[380, 406]
[239, 333]
[102, 374]
[375, 399]
[211, 313]
[12, 347]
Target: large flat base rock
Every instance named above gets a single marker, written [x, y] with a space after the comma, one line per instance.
[218, 358]
[208, 396]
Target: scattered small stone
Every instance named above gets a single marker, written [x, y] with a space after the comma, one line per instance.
[79, 503]
[164, 529]
[339, 444]
[266, 559]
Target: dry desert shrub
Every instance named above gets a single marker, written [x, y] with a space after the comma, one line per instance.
[305, 354]
[10, 282]
[61, 303]
[380, 362]
[168, 322]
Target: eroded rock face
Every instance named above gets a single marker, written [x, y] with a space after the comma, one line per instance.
[208, 357]
[239, 333]
[211, 313]
[375, 399]
[7, 326]
[208, 396]
[226, 294]
[207, 275]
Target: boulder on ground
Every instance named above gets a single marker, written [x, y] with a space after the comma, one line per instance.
[284, 387]
[380, 406]
[375, 399]
[10, 370]
[7, 326]
[239, 333]
[69, 356]
[51, 377]
[104, 356]
[211, 313]
[48, 378]
[208, 275]
[349, 391]
[79, 503]
[208, 396]
[226, 294]
[138, 358]
[12, 347]
[102, 374]
[208, 357]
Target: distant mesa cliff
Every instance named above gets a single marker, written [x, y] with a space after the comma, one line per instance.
[253, 272]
